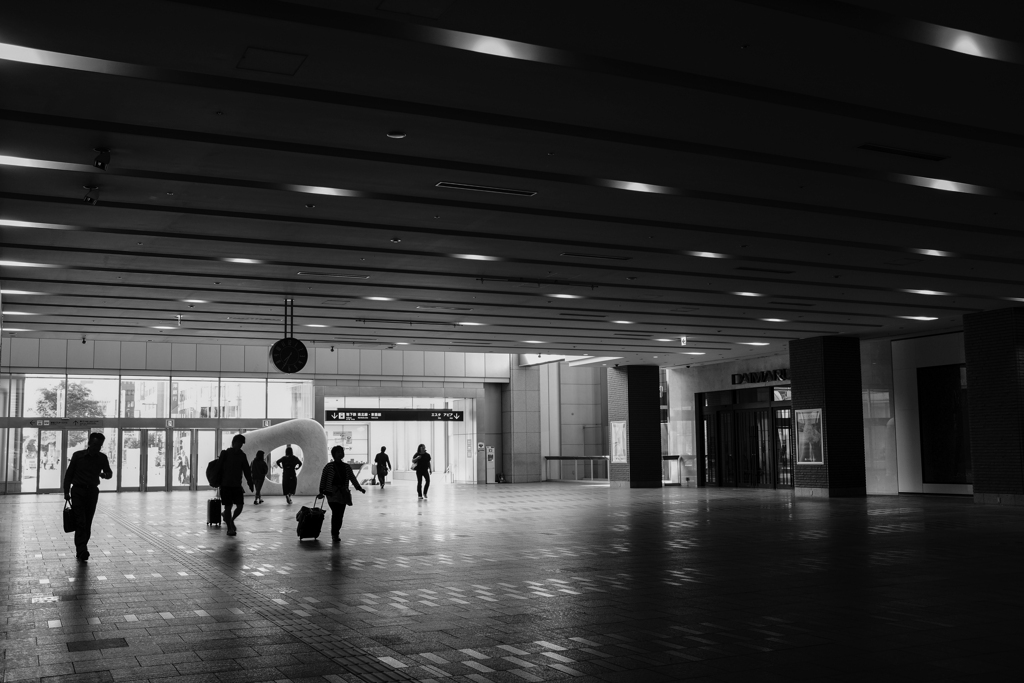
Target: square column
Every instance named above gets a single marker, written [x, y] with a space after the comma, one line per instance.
[825, 372]
[634, 399]
[994, 349]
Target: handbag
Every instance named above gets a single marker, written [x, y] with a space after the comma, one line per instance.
[69, 518]
[347, 495]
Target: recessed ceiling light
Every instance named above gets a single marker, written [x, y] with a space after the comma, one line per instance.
[925, 292]
[315, 325]
[378, 298]
[162, 327]
[397, 134]
[706, 254]
[402, 343]
[917, 317]
[396, 240]
[532, 341]
[18, 292]
[16, 313]
[25, 264]
[932, 252]
[623, 322]
[472, 324]
[754, 343]
[693, 353]
[747, 294]
[477, 257]
[242, 260]
[774, 320]
[565, 296]
[195, 301]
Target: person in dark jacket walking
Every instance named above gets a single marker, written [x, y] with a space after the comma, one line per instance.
[421, 463]
[382, 463]
[82, 488]
[259, 476]
[289, 480]
[334, 485]
[234, 465]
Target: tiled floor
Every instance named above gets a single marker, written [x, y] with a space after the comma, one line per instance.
[518, 583]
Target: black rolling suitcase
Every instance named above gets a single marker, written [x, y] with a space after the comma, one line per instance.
[213, 507]
[311, 520]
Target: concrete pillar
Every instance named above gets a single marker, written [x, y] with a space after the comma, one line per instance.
[634, 398]
[994, 350]
[825, 375]
[521, 460]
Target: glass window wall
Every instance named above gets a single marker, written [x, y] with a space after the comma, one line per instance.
[91, 397]
[289, 399]
[144, 397]
[192, 398]
[243, 398]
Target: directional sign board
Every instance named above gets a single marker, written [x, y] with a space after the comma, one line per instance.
[392, 415]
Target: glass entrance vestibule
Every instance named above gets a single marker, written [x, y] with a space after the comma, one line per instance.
[745, 438]
[160, 431]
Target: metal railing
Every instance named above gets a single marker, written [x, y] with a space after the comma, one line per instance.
[581, 468]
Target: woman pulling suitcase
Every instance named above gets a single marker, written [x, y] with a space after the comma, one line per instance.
[334, 486]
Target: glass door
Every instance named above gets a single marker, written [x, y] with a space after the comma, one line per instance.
[784, 447]
[51, 461]
[155, 457]
[131, 460]
[183, 457]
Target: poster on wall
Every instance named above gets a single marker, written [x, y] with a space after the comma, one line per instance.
[619, 441]
[809, 446]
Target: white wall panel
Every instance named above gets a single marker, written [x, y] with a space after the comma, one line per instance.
[107, 355]
[326, 361]
[412, 363]
[369, 362]
[497, 364]
[433, 363]
[454, 364]
[232, 359]
[207, 358]
[256, 358]
[391, 362]
[476, 365]
[24, 352]
[158, 356]
[53, 353]
[133, 355]
[183, 357]
[348, 361]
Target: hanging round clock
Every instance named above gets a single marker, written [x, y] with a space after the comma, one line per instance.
[289, 354]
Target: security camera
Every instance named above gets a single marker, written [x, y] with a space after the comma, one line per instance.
[83, 340]
[102, 159]
[92, 195]
[687, 366]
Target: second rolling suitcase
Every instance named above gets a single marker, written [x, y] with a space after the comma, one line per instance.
[213, 511]
[310, 521]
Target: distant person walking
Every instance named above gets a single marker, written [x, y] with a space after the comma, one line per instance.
[234, 465]
[259, 476]
[421, 463]
[289, 480]
[334, 485]
[82, 488]
[382, 463]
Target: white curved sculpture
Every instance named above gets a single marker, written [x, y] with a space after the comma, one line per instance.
[311, 440]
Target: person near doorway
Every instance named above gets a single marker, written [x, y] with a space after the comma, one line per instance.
[259, 476]
[234, 465]
[289, 479]
[421, 463]
[82, 488]
[382, 463]
[334, 486]
[182, 470]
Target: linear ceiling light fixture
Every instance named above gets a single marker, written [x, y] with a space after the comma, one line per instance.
[746, 294]
[16, 313]
[314, 325]
[706, 254]
[242, 260]
[774, 320]
[532, 341]
[378, 298]
[926, 292]
[471, 324]
[335, 275]
[477, 257]
[932, 252]
[623, 322]
[604, 257]
[922, 318]
[693, 353]
[19, 292]
[564, 296]
[11, 223]
[24, 264]
[485, 188]
[16, 329]
[754, 343]
[195, 301]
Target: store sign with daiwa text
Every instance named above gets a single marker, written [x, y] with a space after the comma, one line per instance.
[761, 376]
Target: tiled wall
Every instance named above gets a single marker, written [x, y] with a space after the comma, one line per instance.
[520, 418]
[22, 353]
[583, 422]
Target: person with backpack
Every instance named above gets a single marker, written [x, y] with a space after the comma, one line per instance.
[234, 464]
[334, 486]
[82, 488]
[382, 463]
[289, 479]
[421, 463]
[259, 476]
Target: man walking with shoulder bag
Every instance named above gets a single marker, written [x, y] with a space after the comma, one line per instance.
[234, 465]
[82, 488]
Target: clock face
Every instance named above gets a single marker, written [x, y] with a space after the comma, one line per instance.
[289, 355]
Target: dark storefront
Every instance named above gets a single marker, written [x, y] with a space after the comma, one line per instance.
[745, 438]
